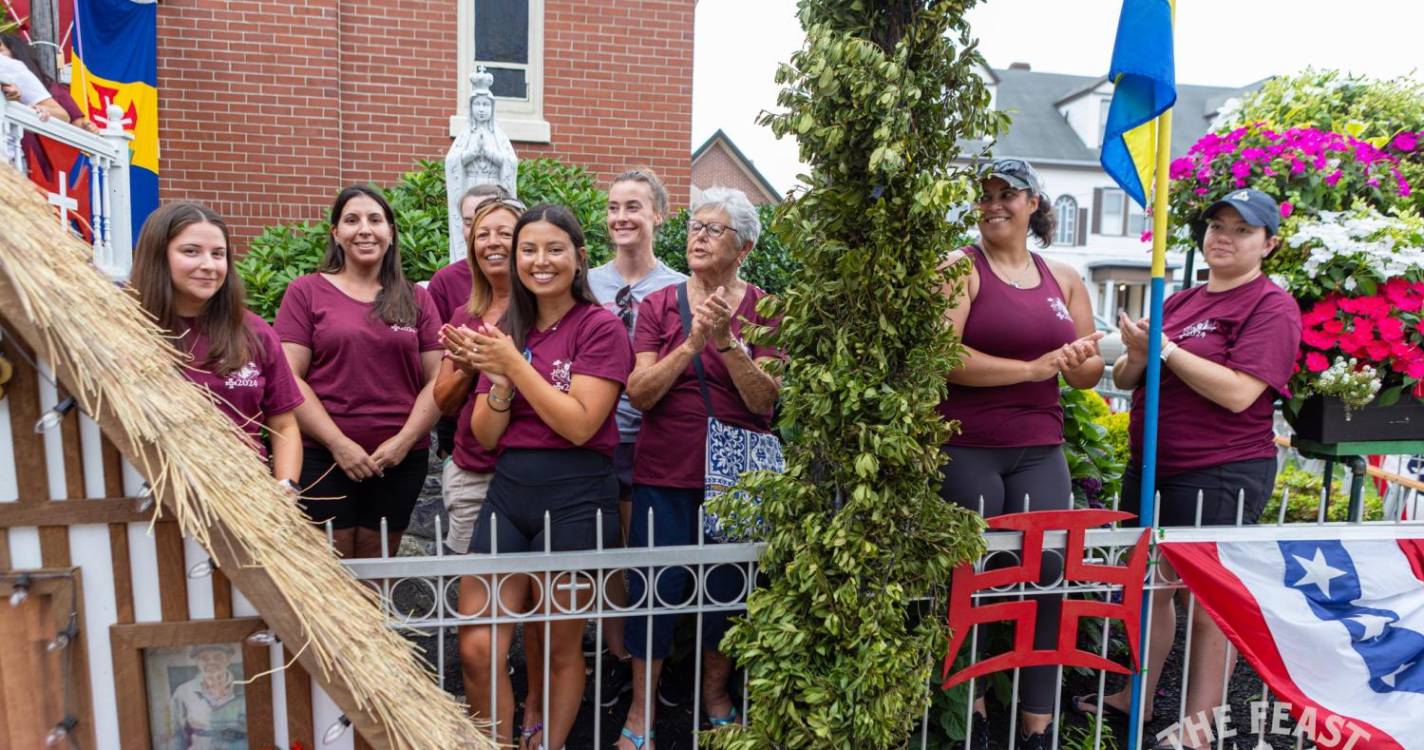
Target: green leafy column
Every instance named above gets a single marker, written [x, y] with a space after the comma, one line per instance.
[837, 654]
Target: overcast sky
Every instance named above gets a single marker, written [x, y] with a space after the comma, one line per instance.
[739, 43]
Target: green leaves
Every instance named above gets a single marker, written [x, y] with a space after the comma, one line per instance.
[856, 528]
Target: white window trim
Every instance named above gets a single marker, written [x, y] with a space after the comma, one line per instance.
[1066, 220]
[522, 121]
[1103, 229]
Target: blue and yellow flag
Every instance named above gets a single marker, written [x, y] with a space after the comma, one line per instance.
[116, 61]
[1145, 77]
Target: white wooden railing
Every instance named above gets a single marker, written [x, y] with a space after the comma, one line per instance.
[108, 154]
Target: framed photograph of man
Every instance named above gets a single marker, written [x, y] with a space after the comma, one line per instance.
[191, 687]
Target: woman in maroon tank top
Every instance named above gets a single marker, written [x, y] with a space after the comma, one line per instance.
[1023, 320]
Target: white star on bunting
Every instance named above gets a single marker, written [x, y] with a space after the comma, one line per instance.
[1318, 572]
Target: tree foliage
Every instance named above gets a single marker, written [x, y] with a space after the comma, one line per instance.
[878, 99]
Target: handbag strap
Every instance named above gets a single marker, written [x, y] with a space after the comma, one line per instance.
[684, 309]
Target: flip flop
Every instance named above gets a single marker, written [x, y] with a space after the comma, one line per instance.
[1080, 703]
[638, 740]
[722, 721]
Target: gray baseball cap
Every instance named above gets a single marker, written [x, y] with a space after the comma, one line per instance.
[1019, 174]
[1256, 208]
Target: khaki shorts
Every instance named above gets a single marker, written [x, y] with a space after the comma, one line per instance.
[464, 493]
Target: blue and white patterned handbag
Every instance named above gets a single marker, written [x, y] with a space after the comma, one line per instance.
[731, 450]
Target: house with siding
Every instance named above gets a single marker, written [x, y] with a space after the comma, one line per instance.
[718, 161]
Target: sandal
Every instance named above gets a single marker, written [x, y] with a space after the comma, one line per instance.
[525, 733]
[722, 721]
[638, 740]
[1088, 704]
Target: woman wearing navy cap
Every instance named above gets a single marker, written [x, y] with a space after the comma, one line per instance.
[1228, 348]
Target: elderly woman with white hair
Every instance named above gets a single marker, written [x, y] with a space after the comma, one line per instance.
[691, 364]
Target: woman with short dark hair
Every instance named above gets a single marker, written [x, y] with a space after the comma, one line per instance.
[1229, 347]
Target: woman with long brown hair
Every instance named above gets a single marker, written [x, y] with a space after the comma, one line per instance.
[183, 276]
[364, 345]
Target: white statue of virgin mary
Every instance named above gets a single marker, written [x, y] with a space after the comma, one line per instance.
[482, 155]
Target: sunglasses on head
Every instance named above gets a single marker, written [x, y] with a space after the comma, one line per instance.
[624, 300]
[513, 203]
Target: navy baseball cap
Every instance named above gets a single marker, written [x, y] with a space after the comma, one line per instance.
[1256, 208]
[1019, 174]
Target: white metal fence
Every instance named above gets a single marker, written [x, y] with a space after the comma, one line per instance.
[420, 595]
[108, 157]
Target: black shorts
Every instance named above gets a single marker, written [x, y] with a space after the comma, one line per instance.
[576, 487]
[623, 469]
[1220, 487]
[362, 503]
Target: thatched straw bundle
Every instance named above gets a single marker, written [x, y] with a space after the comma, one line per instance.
[121, 368]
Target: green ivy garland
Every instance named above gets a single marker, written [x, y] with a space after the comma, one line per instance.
[879, 99]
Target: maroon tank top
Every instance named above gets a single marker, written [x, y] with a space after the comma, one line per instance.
[1024, 324]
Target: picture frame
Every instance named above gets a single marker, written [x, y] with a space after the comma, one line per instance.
[192, 685]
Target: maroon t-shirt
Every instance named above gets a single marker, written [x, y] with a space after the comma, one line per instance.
[1012, 323]
[1255, 329]
[589, 340]
[365, 371]
[671, 447]
[253, 392]
[469, 454]
[450, 288]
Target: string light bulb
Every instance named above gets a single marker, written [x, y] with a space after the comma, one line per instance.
[63, 638]
[337, 728]
[61, 731]
[20, 590]
[145, 498]
[202, 569]
[263, 638]
[52, 418]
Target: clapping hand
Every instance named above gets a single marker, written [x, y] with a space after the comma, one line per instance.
[1077, 352]
[493, 353]
[716, 316]
[1134, 336]
[460, 342]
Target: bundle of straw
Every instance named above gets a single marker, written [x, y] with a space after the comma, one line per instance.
[123, 370]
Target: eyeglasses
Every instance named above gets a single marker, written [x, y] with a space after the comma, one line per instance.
[624, 300]
[714, 230]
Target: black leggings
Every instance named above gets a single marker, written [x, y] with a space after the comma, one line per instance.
[1002, 477]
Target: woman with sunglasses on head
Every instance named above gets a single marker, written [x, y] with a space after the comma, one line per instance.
[692, 364]
[1228, 348]
[183, 276]
[364, 344]
[550, 376]
[1023, 321]
[637, 207]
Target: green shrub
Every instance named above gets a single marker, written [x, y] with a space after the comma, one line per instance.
[1092, 462]
[1305, 489]
[1116, 424]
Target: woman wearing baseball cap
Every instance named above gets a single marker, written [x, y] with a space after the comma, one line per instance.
[1228, 348]
[1023, 320]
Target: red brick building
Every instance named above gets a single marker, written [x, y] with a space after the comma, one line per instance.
[718, 161]
[269, 108]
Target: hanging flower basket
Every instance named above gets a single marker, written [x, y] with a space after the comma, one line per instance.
[1328, 420]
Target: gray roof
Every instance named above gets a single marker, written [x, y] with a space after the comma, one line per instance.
[1040, 132]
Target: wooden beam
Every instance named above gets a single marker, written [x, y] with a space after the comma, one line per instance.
[123, 572]
[172, 573]
[23, 393]
[299, 702]
[72, 512]
[254, 582]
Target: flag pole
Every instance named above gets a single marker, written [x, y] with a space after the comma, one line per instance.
[1148, 509]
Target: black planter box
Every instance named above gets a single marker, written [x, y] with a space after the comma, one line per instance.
[1322, 420]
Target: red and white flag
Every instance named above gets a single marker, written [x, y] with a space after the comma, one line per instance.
[1336, 628]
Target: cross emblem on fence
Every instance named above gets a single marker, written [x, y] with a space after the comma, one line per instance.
[62, 201]
[963, 615]
[574, 586]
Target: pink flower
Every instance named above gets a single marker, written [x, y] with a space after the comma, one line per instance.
[1286, 209]
[1316, 362]
[1405, 141]
[1415, 368]
[1333, 178]
[1147, 235]
[1391, 329]
[1318, 339]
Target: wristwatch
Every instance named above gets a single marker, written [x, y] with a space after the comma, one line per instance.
[1167, 349]
[733, 344]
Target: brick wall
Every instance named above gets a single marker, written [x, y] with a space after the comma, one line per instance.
[268, 108]
[717, 167]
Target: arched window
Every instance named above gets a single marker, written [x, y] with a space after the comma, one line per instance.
[1066, 208]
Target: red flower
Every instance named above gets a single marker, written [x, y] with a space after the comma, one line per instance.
[1419, 389]
[1415, 368]
[1322, 312]
[1333, 325]
[1314, 337]
[1391, 329]
[1316, 362]
[1403, 295]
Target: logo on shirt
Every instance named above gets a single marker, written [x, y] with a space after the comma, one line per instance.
[1199, 329]
[244, 377]
[402, 329]
[1059, 308]
[559, 375]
